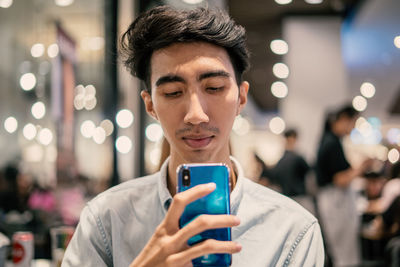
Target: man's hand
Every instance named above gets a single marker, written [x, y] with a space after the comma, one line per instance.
[168, 245]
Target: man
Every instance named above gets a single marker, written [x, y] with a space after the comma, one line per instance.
[336, 201]
[290, 171]
[191, 63]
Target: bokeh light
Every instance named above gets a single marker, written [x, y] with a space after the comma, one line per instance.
[11, 124]
[87, 128]
[38, 110]
[37, 50]
[52, 50]
[27, 81]
[123, 144]
[108, 127]
[45, 136]
[99, 135]
[29, 131]
[281, 70]
[359, 103]
[396, 41]
[277, 125]
[283, 2]
[279, 89]
[279, 47]
[241, 126]
[367, 90]
[393, 155]
[6, 3]
[63, 3]
[124, 118]
[313, 2]
[154, 132]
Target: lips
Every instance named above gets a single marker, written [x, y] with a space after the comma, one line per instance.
[197, 141]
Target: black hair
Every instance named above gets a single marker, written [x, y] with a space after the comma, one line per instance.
[162, 26]
[290, 133]
[347, 111]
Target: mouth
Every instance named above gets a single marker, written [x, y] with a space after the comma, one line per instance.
[197, 141]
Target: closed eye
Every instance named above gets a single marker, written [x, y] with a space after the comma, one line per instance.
[173, 94]
[215, 89]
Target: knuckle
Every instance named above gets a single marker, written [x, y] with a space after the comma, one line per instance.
[170, 261]
[178, 199]
[209, 244]
[202, 220]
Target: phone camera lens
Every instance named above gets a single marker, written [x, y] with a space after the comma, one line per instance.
[186, 177]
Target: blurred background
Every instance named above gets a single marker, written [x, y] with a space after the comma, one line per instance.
[72, 123]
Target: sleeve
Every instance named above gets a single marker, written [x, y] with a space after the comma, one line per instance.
[88, 246]
[308, 250]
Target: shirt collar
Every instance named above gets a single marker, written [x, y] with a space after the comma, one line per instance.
[166, 198]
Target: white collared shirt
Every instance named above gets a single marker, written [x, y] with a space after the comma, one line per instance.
[116, 225]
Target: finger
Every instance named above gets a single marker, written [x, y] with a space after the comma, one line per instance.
[210, 246]
[182, 199]
[205, 222]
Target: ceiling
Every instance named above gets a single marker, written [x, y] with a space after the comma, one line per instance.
[263, 22]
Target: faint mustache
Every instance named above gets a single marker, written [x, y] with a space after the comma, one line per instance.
[196, 129]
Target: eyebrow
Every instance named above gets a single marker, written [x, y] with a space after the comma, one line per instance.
[210, 74]
[175, 78]
[169, 79]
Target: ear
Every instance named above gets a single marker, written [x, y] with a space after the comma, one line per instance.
[243, 91]
[148, 103]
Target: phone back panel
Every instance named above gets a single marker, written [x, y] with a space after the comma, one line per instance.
[217, 202]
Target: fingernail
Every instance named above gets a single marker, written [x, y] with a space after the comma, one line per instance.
[238, 246]
[211, 185]
[237, 220]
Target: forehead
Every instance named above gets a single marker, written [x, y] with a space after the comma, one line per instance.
[189, 58]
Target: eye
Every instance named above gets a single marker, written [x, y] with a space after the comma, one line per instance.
[173, 94]
[215, 89]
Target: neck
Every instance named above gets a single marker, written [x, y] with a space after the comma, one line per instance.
[175, 161]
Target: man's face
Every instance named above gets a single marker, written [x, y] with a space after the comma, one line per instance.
[195, 97]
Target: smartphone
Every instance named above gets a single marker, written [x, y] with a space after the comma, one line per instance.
[217, 202]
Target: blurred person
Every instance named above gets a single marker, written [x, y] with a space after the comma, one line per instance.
[336, 201]
[390, 190]
[17, 190]
[290, 171]
[192, 63]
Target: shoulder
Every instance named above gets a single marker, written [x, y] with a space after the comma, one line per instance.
[276, 205]
[125, 194]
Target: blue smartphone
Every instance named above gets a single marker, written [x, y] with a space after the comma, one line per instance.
[217, 202]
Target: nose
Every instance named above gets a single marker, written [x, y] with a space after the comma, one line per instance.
[196, 112]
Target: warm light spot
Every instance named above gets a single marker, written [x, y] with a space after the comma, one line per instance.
[281, 70]
[87, 128]
[277, 125]
[38, 110]
[393, 155]
[367, 90]
[154, 132]
[279, 47]
[123, 144]
[124, 118]
[241, 126]
[11, 124]
[37, 50]
[52, 50]
[99, 135]
[108, 127]
[29, 131]
[27, 81]
[279, 89]
[45, 136]
[359, 103]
